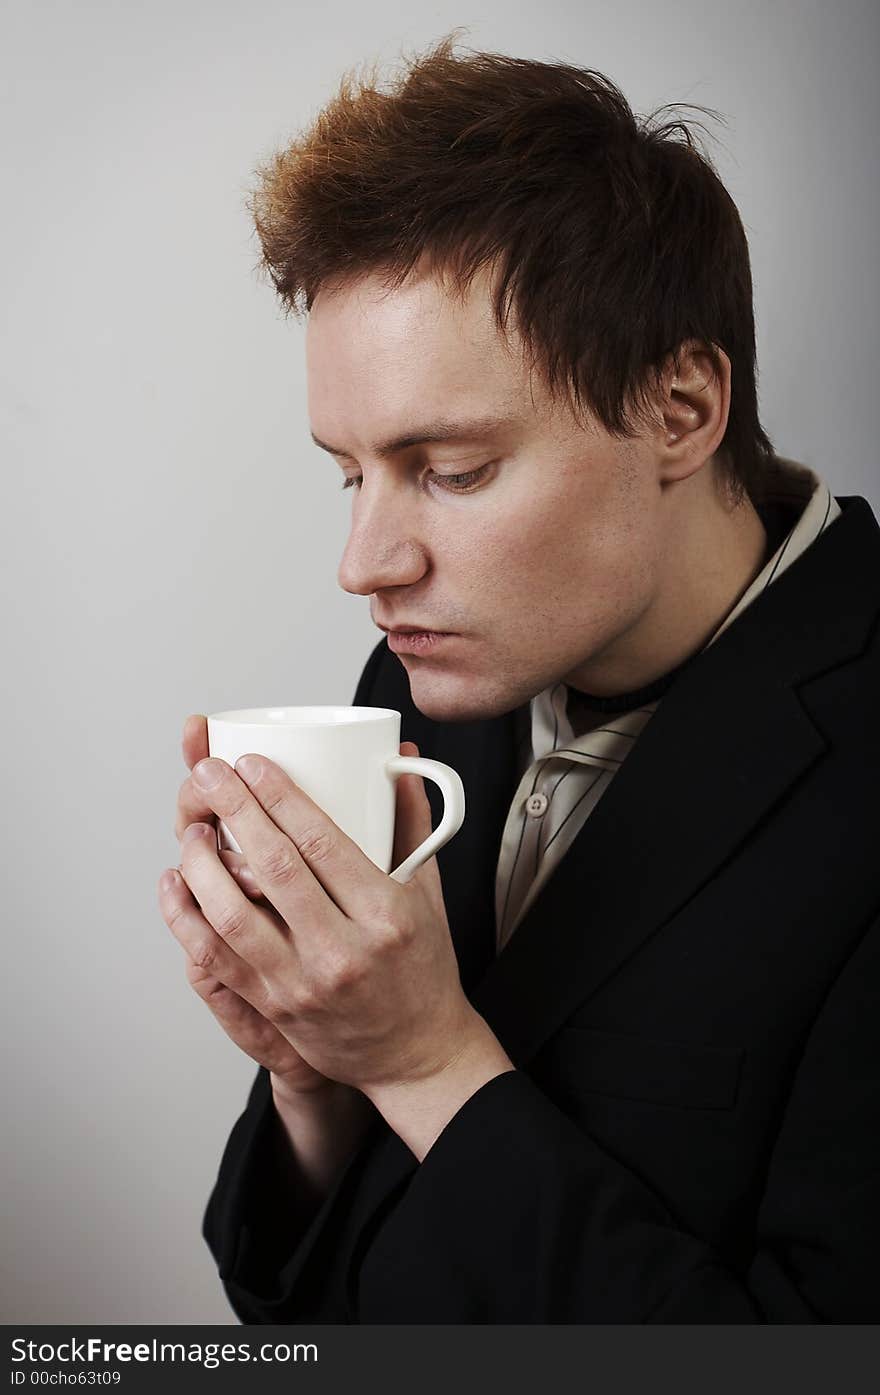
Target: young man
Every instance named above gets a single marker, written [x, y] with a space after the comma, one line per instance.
[613, 1054]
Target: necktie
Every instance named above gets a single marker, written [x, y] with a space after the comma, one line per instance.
[556, 794]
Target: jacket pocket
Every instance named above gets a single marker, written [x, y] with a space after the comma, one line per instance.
[652, 1070]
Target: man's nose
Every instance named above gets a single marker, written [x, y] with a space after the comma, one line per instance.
[383, 548]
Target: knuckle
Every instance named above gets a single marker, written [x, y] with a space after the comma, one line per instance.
[394, 931]
[278, 864]
[173, 915]
[269, 1005]
[198, 979]
[307, 1000]
[231, 920]
[316, 844]
[204, 955]
[237, 805]
[342, 974]
[272, 799]
[382, 914]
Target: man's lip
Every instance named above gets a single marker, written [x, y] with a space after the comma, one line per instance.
[411, 630]
[420, 642]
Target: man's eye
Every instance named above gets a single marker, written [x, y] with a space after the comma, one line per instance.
[457, 483]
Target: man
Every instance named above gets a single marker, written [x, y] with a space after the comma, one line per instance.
[612, 1055]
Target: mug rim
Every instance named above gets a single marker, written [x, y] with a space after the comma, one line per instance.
[359, 715]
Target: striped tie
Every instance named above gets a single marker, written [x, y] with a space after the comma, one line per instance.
[555, 796]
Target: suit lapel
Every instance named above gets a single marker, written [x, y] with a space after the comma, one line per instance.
[467, 864]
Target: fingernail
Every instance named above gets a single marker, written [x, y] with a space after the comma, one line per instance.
[195, 830]
[208, 773]
[169, 881]
[250, 768]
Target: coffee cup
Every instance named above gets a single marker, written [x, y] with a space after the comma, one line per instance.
[347, 760]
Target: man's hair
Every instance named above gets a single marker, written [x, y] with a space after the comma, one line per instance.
[613, 240]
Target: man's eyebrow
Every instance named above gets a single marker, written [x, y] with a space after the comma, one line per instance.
[425, 435]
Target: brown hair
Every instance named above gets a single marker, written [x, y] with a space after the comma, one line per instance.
[616, 242]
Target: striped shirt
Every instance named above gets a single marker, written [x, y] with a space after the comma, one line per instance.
[571, 753]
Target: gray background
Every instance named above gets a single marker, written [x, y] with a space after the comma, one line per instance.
[170, 535]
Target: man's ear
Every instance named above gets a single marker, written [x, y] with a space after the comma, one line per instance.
[694, 405]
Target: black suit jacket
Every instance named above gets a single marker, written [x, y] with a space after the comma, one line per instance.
[692, 1003]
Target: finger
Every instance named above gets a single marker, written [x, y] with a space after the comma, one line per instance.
[218, 997]
[192, 807]
[195, 738]
[235, 863]
[205, 948]
[253, 931]
[298, 855]
[240, 1021]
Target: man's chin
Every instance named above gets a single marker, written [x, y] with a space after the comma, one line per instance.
[450, 697]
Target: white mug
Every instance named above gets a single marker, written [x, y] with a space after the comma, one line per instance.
[346, 759]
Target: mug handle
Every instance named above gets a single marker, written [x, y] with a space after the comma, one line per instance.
[452, 790]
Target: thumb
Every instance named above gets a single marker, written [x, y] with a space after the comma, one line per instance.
[412, 821]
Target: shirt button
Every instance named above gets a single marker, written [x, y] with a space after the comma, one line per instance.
[536, 805]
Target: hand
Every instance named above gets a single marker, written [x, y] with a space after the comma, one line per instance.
[253, 1034]
[356, 971]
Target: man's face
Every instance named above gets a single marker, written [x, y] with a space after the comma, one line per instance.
[539, 566]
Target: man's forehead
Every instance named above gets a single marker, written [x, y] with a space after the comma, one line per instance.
[406, 381]
[420, 320]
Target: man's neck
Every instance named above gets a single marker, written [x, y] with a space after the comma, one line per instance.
[713, 554]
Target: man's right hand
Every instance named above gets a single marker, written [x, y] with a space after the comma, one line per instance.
[250, 1031]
